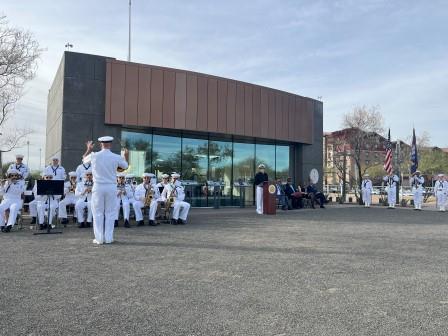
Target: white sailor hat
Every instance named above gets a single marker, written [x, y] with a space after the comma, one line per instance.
[148, 175]
[72, 174]
[55, 158]
[175, 175]
[261, 166]
[105, 139]
[121, 174]
[129, 176]
[418, 171]
[441, 175]
[165, 176]
[366, 175]
[88, 172]
[19, 156]
[13, 171]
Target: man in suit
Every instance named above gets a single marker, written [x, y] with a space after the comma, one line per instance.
[294, 195]
[280, 193]
[314, 195]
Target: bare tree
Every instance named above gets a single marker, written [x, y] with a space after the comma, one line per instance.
[19, 52]
[364, 134]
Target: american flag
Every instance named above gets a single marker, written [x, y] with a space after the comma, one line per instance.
[388, 159]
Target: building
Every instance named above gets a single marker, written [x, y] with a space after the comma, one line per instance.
[212, 130]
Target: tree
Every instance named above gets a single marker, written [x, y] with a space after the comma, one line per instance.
[365, 126]
[19, 52]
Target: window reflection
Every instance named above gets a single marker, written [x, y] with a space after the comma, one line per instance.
[139, 145]
[265, 154]
[282, 162]
[194, 170]
[166, 154]
[220, 168]
[243, 172]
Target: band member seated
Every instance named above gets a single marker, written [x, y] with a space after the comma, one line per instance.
[69, 197]
[281, 196]
[83, 193]
[33, 204]
[314, 195]
[44, 203]
[131, 184]
[81, 169]
[294, 195]
[174, 194]
[57, 170]
[11, 189]
[147, 194]
[21, 167]
[122, 200]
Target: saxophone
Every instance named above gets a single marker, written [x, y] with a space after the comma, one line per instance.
[170, 197]
[149, 195]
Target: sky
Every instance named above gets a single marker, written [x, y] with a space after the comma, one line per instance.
[385, 53]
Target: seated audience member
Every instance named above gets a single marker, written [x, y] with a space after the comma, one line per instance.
[280, 193]
[314, 195]
[294, 195]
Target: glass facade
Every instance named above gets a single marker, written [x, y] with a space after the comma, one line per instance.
[212, 169]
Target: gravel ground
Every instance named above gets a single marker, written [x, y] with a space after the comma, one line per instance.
[334, 271]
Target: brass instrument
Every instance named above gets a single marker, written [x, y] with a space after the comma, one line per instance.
[170, 197]
[88, 186]
[149, 195]
[72, 187]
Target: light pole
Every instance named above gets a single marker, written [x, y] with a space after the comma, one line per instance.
[28, 153]
[40, 158]
[129, 37]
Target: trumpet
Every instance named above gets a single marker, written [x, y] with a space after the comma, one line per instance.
[88, 186]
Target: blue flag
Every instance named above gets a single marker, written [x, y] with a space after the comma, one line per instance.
[414, 154]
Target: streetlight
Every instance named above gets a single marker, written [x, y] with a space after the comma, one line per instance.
[68, 46]
[40, 158]
[28, 152]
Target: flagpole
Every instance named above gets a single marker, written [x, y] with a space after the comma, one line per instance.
[129, 36]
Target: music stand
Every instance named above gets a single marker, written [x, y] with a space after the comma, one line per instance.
[49, 188]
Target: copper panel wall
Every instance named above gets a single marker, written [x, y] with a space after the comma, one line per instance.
[151, 96]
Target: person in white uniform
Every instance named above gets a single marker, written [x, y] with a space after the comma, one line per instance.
[440, 190]
[417, 181]
[366, 188]
[104, 168]
[391, 187]
[57, 170]
[21, 167]
[11, 190]
[131, 184]
[180, 207]
[45, 203]
[83, 194]
[81, 169]
[122, 200]
[259, 180]
[69, 197]
[148, 186]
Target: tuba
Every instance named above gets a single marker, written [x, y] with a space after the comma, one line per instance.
[149, 195]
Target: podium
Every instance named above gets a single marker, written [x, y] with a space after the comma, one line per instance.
[269, 198]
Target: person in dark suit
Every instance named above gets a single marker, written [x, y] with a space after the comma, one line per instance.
[314, 195]
[294, 195]
[280, 193]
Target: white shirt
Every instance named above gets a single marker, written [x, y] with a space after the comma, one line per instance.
[367, 184]
[140, 191]
[104, 166]
[79, 192]
[12, 190]
[58, 172]
[80, 170]
[22, 168]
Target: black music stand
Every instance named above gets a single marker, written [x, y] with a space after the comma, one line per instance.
[49, 188]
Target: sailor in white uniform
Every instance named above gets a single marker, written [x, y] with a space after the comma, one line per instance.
[69, 197]
[81, 169]
[11, 190]
[131, 184]
[180, 207]
[104, 167]
[83, 194]
[417, 188]
[122, 200]
[45, 203]
[148, 186]
[391, 187]
[366, 189]
[57, 170]
[21, 167]
[440, 191]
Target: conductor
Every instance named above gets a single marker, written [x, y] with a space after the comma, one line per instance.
[104, 168]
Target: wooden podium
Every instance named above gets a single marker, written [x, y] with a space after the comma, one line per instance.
[269, 198]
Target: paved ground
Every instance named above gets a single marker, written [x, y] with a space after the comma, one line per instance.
[338, 271]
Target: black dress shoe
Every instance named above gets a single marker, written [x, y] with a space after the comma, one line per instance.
[88, 224]
[116, 223]
[8, 228]
[140, 223]
[126, 224]
[3, 229]
[151, 223]
[174, 221]
[322, 207]
[64, 221]
[41, 227]
[33, 221]
[74, 220]
[81, 225]
[181, 222]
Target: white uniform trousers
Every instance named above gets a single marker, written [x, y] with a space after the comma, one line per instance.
[42, 207]
[126, 208]
[33, 208]
[259, 199]
[14, 206]
[418, 198]
[367, 197]
[391, 196]
[104, 206]
[68, 200]
[80, 206]
[180, 209]
[152, 208]
[441, 200]
[136, 205]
